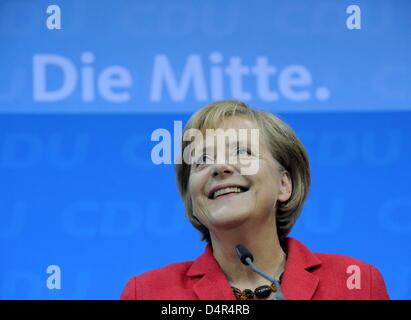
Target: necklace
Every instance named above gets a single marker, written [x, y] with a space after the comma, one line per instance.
[260, 292]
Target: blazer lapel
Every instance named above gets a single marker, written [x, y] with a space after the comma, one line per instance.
[298, 282]
[212, 283]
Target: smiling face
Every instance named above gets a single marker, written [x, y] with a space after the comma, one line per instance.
[223, 198]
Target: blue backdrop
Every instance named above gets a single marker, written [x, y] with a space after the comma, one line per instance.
[78, 106]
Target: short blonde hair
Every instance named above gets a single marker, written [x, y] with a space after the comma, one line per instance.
[283, 143]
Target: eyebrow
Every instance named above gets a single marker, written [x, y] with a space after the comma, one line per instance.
[232, 143]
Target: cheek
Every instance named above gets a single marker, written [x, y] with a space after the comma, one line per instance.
[200, 209]
[265, 186]
[195, 186]
[267, 196]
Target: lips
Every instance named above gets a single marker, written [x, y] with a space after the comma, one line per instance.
[226, 189]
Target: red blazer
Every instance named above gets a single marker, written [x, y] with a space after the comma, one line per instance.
[307, 275]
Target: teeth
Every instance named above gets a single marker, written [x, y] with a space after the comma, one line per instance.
[226, 190]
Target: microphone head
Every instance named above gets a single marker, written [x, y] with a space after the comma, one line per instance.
[243, 254]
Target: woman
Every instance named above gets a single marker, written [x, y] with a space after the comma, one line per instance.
[258, 210]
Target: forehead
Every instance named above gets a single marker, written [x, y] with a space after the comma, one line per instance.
[236, 122]
[233, 124]
[234, 129]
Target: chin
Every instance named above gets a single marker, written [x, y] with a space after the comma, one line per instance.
[228, 220]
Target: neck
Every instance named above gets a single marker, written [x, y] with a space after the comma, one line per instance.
[262, 242]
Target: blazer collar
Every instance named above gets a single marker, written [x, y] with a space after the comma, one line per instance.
[298, 283]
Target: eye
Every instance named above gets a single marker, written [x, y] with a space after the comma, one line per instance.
[203, 160]
[244, 151]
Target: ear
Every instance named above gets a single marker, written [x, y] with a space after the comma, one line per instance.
[286, 187]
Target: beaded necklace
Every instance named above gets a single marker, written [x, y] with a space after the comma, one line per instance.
[260, 292]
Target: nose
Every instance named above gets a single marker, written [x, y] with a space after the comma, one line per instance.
[222, 170]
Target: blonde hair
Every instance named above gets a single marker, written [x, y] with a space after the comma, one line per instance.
[284, 145]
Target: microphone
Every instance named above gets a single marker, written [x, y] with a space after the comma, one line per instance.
[243, 254]
[247, 258]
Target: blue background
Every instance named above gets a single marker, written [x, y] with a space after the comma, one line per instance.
[77, 183]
